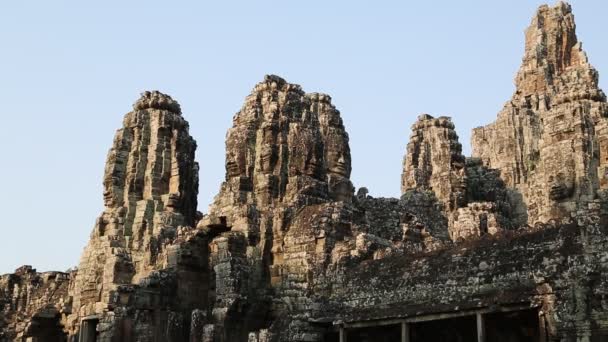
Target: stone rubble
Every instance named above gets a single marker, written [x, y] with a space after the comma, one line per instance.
[288, 251]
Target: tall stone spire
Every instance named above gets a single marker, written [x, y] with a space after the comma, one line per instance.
[434, 161]
[152, 159]
[287, 179]
[550, 140]
[150, 189]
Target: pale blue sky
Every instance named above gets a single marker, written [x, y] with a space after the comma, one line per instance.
[69, 71]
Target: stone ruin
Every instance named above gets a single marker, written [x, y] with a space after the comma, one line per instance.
[510, 244]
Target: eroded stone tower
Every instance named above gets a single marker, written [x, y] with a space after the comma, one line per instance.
[150, 189]
[509, 245]
[549, 141]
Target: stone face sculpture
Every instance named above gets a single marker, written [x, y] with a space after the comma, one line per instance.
[287, 252]
[336, 148]
[285, 147]
[258, 162]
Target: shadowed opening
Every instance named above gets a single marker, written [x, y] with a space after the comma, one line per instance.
[516, 326]
[461, 329]
[88, 330]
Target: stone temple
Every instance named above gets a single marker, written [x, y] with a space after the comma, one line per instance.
[508, 245]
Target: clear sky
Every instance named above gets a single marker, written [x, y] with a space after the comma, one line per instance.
[70, 70]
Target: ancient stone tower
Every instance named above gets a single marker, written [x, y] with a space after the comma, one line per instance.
[150, 189]
[549, 141]
[287, 160]
[508, 245]
[473, 198]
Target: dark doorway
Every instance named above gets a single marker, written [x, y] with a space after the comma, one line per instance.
[462, 329]
[515, 326]
[599, 338]
[331, 336]
[385, 333]
[47, 329]
[88, 330]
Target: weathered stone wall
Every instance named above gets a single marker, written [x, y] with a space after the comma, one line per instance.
[558, 269]
[34, 304]
[287, 250]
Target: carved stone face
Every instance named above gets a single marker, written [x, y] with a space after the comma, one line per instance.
[174, 200]
[232, 167]
[336, 164]
[561, 186]
[112, 191]
[108, 198]
[337, 161]
[269, 147]
[237, 150]
[267, 159]
[341, 189]
[305, 152]
[338, 157]
[312, 164]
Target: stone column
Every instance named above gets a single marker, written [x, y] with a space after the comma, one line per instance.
[405, 332]
[481, 328]
[542, 327]
[342, 334]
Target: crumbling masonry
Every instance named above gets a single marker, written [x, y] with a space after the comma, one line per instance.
[510, 244]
